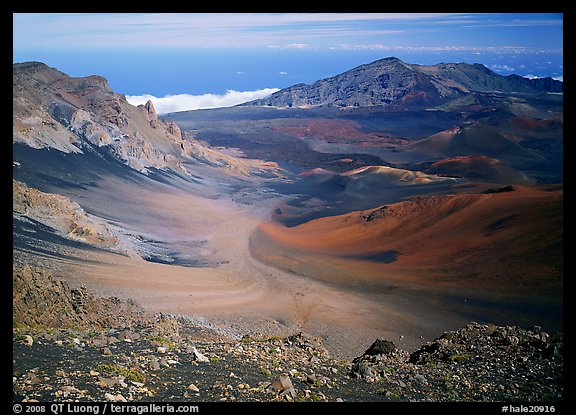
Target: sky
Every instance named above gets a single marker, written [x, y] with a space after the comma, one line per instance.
[193, 60]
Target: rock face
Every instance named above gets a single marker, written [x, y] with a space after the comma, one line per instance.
[380, 347]
[53, 110]
[151, 115]
[283, 386]
[391, 82]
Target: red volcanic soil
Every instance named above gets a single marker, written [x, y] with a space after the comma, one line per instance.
[466, 160]
[531, 124]
[346, 160]
[509, 240]
[334, 131]
[326, 129]
[315, 172]
[413, 98]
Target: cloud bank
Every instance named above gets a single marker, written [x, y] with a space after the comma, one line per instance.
[278, 30]
[186, 102]
[557, 78]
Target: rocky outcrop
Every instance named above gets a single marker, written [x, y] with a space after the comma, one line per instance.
[479, 362]
[391, 82]
[150, 113]
[53, 110]
[43, 299]
[381, 346]
[150, 110]
[56, 111]
[66, 218]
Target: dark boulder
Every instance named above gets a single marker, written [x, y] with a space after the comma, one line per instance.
[380, 346]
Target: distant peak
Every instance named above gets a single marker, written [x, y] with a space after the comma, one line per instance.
[396, 84]
[389, 59]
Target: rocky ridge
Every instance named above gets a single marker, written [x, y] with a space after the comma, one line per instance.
[394, 83]
[71, 346]
[53, 110]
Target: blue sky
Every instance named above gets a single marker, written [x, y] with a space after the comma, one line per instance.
[217, 57]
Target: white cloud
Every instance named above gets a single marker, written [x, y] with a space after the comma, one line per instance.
[185, 102]
[531, 76]
[282, 73]
[500, 68]
[297, 46]
[500, 50]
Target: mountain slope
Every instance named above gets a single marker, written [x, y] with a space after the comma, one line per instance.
[470, 140]
[75, 115]
[88, 169]
[391, 82]
[54, 110]
[510, 238]
[480, 168]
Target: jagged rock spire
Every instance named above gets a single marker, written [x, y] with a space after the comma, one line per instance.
[149, 106]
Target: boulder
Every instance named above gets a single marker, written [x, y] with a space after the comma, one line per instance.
[380, 346]
[283, 386]
[199, 357]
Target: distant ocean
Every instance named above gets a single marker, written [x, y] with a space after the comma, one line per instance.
[169, 71]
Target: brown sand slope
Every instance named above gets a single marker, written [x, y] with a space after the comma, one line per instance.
[502, 241]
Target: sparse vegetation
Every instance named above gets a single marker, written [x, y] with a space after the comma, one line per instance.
[459, 358]
[130, 374]
[162, 340]
[268, 339]
[265, 372]
[18, 337]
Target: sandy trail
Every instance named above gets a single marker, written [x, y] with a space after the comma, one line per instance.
[238, 294]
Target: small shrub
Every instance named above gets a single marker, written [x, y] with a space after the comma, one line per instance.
[265, 372]
[130, 374]
[447, 335]
[459, 358]
[163, 340]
